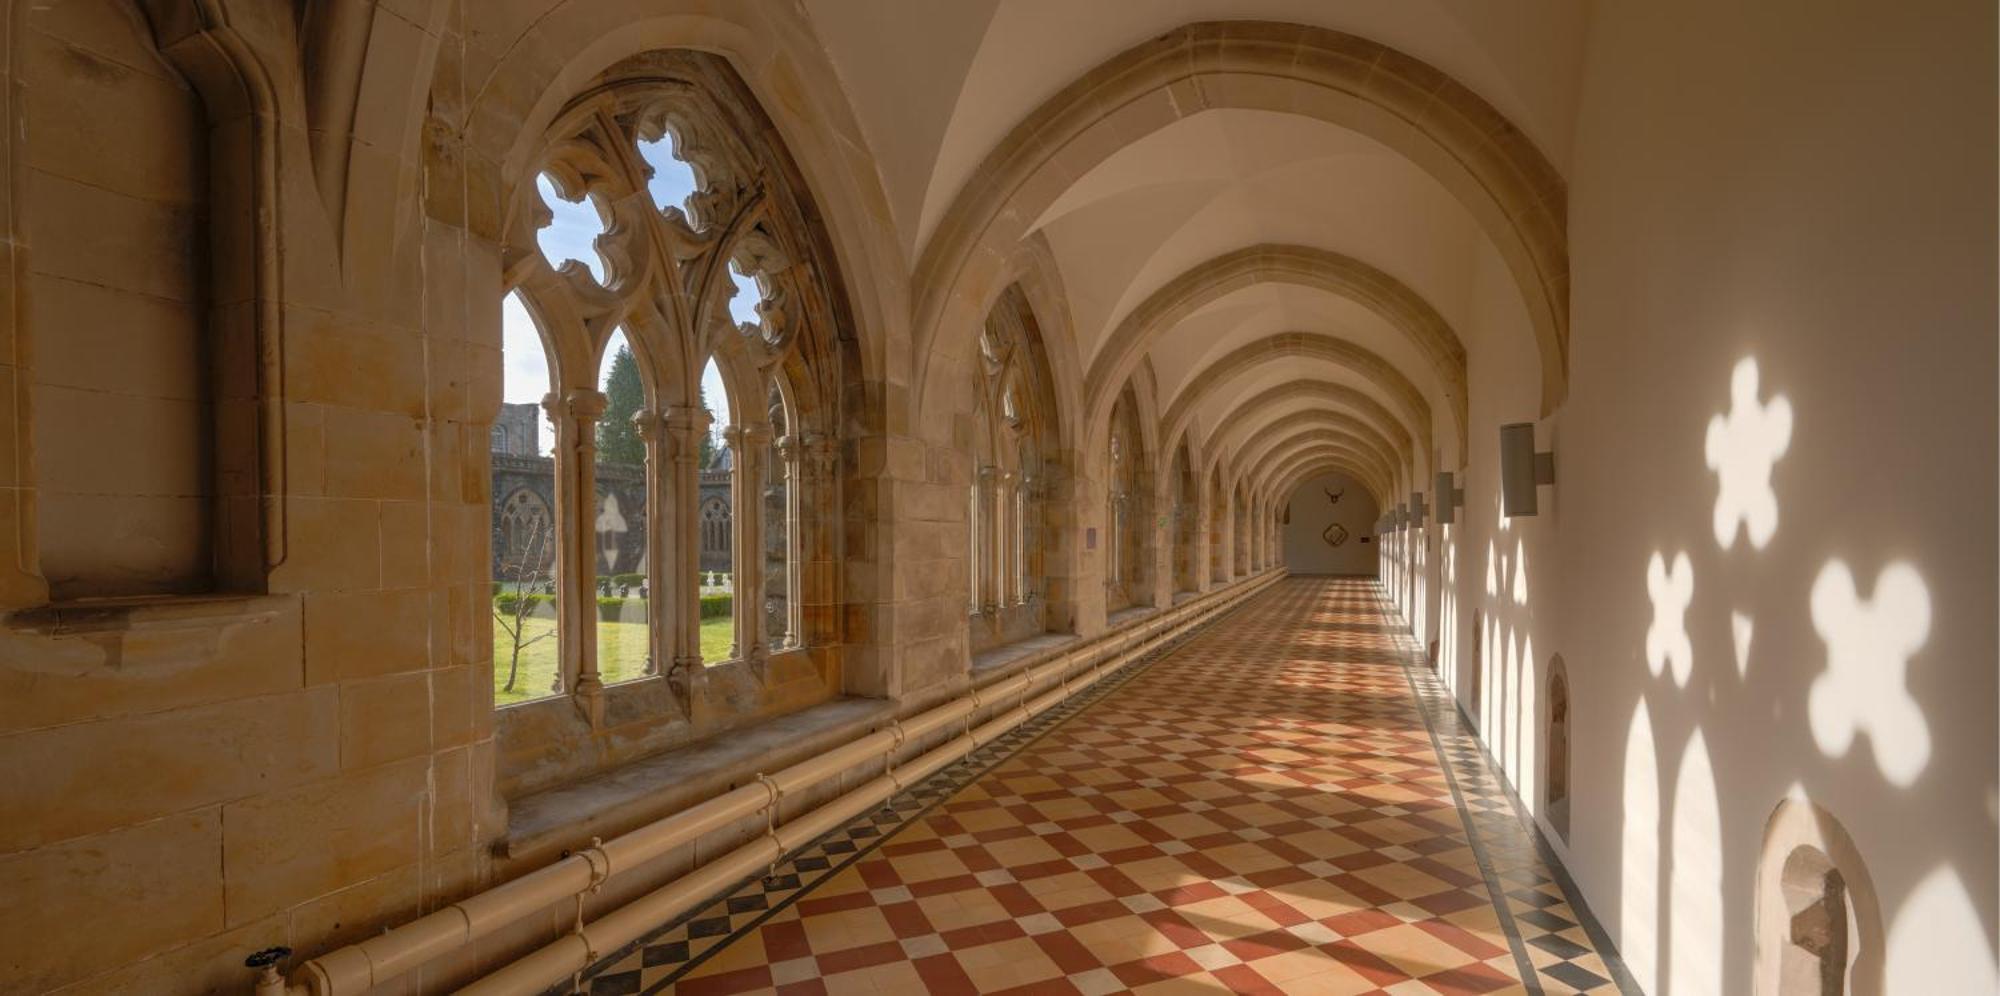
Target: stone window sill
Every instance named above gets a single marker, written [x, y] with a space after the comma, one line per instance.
[1126, 617]
[147, 612]
[998, 662]
[543, 823]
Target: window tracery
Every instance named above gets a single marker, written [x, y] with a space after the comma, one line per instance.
[663, 232]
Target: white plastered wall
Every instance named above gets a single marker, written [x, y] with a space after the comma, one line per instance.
[1809, 190]
[1308, 538]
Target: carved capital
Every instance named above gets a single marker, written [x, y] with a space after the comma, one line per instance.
[687, 419]
[649, 424]
[586, 406]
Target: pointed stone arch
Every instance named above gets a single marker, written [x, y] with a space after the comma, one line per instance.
[1337, 397]
[1301, 266]
[1289, 475]
[1405, 400]
[1289, 458]
[1364, 435]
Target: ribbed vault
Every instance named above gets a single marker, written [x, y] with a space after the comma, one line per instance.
[1254, 412]
[1320, 269]
[1403, 395]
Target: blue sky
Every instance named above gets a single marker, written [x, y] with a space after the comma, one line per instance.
[568, 236]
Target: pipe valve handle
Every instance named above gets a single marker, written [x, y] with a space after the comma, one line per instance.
[267, 957]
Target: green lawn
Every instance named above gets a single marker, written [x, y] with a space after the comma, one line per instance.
[621, 654]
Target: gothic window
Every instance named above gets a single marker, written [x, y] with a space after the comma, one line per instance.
[525, 528]
[715, 525]
[664, 243]
[1013, 427]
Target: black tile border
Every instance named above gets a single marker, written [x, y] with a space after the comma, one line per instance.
[1417, 672]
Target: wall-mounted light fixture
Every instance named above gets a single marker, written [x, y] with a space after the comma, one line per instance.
[1450, 497]
[1417, 509]
[1522, 469]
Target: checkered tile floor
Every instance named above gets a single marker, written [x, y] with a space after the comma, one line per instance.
[1287, 802]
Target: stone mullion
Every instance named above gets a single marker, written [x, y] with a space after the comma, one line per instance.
[1003, 537]
[815, 502]
[1114, 547]
[743, 553]
[686, 426]
[659, 487]
[1023, 508]
[575, 420]
[990, 598]
[792, 523]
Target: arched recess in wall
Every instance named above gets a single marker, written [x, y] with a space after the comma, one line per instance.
[1016, 554]
[683, 282]
[1818, 922]
[1556, 752]
[1334, 273]
[147, 478]
[1512, 190]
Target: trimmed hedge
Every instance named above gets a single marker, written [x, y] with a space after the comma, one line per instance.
[609, 608]
[507, 603]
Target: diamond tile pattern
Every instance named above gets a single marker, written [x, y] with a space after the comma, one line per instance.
[1285, 802]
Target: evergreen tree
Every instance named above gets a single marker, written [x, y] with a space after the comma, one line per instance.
[617, 438]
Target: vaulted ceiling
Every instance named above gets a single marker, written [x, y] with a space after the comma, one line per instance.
[1137, 213]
